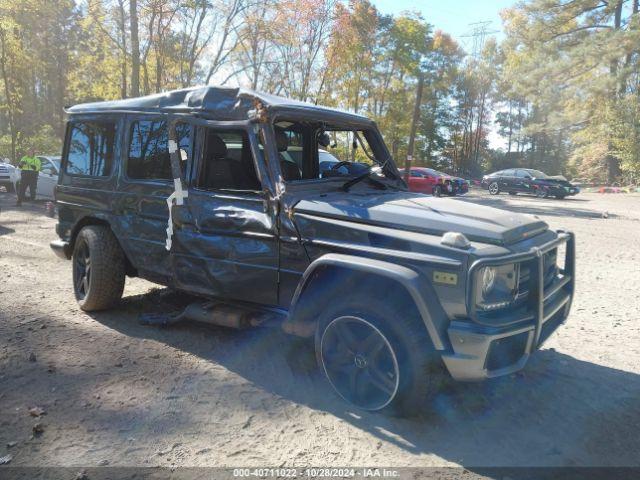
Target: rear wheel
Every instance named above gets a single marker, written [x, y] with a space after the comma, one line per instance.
[560, 197]
[378, 359]
[98, 268]
[494, 188]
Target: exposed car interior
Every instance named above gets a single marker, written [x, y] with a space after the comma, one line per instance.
[228, 162]
[311, 151]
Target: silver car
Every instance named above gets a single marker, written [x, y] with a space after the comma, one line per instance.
[47, 178]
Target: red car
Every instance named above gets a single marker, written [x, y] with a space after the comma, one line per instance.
[433, 182]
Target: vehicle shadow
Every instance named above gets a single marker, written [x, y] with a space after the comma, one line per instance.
[6, 231]
[561, 411]
[535, 207]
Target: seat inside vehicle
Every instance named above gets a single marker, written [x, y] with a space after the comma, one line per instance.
[228, 163]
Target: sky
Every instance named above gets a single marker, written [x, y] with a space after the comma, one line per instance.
[453, 16]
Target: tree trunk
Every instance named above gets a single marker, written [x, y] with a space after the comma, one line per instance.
[135, 49]
[414, 127]
[9, 99]
[613, 163]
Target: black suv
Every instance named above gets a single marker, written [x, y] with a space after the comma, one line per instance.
[526, 180]
[196, 190]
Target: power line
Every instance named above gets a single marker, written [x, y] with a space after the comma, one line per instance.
[479, 32]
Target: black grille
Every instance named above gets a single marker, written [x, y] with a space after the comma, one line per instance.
[506, 351]
[550, 272]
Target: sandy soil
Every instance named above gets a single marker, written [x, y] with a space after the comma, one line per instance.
[118, 393]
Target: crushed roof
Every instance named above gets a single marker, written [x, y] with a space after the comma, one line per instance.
[221, 103]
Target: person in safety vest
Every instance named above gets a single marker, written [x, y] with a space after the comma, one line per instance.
[29, 168]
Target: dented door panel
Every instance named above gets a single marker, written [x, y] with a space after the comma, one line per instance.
[229, 250]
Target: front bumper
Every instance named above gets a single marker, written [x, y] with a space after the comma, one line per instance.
[480, 351]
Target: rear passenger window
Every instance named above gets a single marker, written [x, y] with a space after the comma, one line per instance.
[91, 149]
[149, 152]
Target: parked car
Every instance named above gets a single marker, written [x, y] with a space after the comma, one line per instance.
[7, 174]
[526, 180]
[433, 182]
[193, 189]
[47, 178]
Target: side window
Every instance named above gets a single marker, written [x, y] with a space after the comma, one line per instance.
[91, 149]
[508, 173]
[149, 157]
[227, 162]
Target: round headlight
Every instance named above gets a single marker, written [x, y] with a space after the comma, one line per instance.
[488, 280]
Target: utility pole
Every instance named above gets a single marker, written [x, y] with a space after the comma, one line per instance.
[414, 127]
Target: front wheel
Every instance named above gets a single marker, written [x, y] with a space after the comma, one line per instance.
[376, 359]
[98, 268]
[542, 192]
[494, 188]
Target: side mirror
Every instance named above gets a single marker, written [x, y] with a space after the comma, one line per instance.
[324, 140]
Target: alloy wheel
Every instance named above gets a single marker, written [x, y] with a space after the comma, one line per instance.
[360, 362]
[493, 188]
[82, 271]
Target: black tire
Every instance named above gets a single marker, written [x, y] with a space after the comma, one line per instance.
[437, 191]
[494, 188]
[98, 269]
[512, 193]
[560, 197]
[420, 372]
[10, 188]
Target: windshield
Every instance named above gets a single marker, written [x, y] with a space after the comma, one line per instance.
[317, 151]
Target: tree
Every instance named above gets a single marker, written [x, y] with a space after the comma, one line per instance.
[135, 48]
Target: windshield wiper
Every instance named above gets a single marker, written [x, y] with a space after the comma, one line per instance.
[367, 175]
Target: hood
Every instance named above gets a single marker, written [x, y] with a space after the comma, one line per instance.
[424, 214]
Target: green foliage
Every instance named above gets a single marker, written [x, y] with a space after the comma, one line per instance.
[562, 89]
[571, 73]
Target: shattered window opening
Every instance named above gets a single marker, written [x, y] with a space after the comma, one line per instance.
[227, 162]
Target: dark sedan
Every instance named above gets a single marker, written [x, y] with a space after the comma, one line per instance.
[526, 180]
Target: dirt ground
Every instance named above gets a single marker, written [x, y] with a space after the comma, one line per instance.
[118, 393]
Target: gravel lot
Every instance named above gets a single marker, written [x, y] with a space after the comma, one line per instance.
[118, 393]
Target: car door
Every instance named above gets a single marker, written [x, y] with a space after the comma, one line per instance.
[224, 235]
[47, 178]
[144, 184]
[522, 181]
[417, 182]
[507, 180]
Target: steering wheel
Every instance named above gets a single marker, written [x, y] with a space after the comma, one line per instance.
[339, 165]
